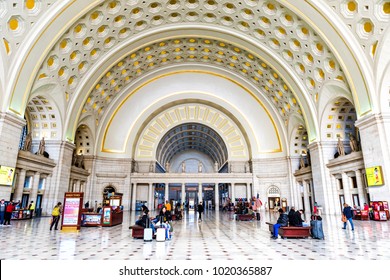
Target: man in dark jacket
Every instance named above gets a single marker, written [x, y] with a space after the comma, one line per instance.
[347, 212]
[291, 217]
[281, 222]
[200, 210]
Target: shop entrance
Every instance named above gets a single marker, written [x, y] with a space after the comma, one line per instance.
[274, 203]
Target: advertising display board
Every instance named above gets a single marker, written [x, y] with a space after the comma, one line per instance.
[71, 215]
[374, 176]
[106, 215]
[6, 175]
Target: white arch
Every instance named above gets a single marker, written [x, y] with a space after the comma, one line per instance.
[264, 135]
[382, 63]
[150, 137]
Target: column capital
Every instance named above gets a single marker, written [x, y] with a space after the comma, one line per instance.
[12, 119]
[370, 119]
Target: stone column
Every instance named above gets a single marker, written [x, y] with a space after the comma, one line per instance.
[62, 153]
[233, 195]
[375, 134]
[335, 195]
[19, 186]
[306, 197]
[200, 192]
[134, 196]
[34, 188]
[360, 186]
[248, 191]
[10, 131]
[183, 192]
[298, 195]
[293, 162]
[166, 194]
[77, 187]
[320, 154]
[46, 208]
[70, 188]
[216, 196]
[82, 189]
[150, 196]
[347, 188]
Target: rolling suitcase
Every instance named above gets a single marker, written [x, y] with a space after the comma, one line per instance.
[160, 235]
[316, 229]
[148, 234]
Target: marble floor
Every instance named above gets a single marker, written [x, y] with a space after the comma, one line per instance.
[217, 237]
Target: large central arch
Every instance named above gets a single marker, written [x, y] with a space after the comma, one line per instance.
[193, 136]
[135, 126]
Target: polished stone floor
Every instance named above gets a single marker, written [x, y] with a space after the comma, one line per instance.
[217, 237]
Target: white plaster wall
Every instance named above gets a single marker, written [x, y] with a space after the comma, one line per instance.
[142, 192]
[10, 131]
[105, 172]
[270, 172]
[151, 97]
[192, 159]
[240, 191]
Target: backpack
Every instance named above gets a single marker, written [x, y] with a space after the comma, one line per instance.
[56, 211]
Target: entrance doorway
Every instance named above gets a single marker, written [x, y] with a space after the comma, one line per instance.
[274, 202]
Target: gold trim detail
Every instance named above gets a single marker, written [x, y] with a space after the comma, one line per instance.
[182, 72]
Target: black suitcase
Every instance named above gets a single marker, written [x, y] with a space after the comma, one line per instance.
[316, 229]
[258, 216]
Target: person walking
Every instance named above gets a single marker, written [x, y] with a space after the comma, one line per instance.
[2, 211]
[8, 213]
[55, 216]
[200, 210]
[31, 207]
[347, 212]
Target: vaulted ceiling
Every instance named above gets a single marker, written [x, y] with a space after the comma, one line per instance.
[71, 62]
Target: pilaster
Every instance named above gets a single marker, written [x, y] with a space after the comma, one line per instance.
[375, 141]
[320, 153]
[10, 131]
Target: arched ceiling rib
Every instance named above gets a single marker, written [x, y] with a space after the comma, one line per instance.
[191, 136]
[267, 22]
[192, 50]
[366, 19]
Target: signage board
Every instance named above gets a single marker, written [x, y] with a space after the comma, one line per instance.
[374, 176]
[6, 175]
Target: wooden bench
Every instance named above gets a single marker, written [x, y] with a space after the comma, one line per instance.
[303, 232]
[285, 232]
[137, 231]
[245, 217]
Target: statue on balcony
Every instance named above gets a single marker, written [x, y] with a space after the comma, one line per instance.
[216, 166]
[183, 167]
[80, 161]
[200, 167]
[340, 147]
[301, 162]
[41, 149]
[27, 142]
[167, 167]
[353, 143]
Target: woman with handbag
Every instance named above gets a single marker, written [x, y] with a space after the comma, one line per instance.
[347, 216]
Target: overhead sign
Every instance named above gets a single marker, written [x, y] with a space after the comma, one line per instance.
[6, 175]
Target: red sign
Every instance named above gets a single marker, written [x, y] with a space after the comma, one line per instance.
[71, 216]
